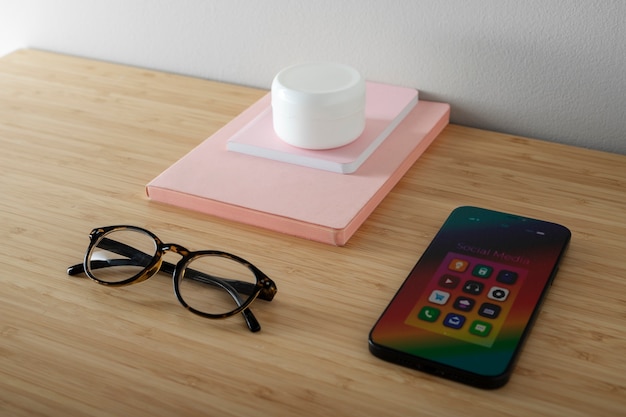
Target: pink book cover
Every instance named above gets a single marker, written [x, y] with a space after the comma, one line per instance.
[306, 202]
[386, 106]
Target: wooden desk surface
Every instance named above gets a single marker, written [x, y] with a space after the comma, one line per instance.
[80, 139]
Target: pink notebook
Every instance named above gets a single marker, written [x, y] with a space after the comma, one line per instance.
[306, 202]
[385, 108]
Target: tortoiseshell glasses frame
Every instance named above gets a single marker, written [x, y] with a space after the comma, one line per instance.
[132, 265]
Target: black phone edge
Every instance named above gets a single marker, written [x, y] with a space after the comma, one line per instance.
[438, 369]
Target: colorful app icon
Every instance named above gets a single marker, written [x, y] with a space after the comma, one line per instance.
[480, 328]
[454, 321]
[489, 310]
[458, 265]
[464, 303]
[498, 293]
[507, 277]
[439, 297]
[448, 281]
[473, 287]
[482, 271]
[428, 313]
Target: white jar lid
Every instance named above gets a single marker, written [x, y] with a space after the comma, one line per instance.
[323, 90]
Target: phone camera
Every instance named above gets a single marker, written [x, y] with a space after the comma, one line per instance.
[499, 294]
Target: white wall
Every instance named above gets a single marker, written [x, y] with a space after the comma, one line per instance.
[552, 69]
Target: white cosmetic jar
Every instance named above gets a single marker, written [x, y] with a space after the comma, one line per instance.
[318, 105]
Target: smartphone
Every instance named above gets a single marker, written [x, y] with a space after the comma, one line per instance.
[468, 304]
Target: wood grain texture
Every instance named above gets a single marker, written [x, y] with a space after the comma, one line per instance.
[79, 139]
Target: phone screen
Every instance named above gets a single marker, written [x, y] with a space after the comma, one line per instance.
[468, 303]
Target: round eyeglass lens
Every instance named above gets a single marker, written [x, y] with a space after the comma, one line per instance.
[121, 254]
[216, 284]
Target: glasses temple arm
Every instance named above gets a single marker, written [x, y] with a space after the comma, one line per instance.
[251, 321]
[99, 264]
[135, 257]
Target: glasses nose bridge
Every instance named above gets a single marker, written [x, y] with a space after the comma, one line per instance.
[176, 248]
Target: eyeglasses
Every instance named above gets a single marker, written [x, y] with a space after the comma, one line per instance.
[210, 283]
